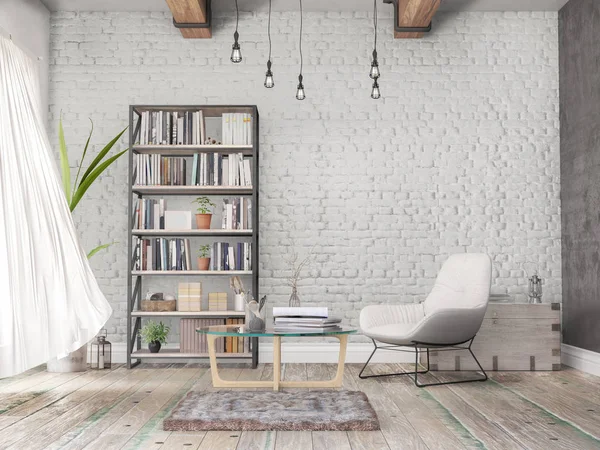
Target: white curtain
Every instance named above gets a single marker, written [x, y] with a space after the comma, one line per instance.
[50, 302]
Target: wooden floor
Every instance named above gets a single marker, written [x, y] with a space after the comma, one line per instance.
[124, 409]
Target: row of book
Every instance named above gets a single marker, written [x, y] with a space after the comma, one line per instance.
[226, 256]
[157, 170]
[237, 128]
[217, 169]
[163, 254]
[304, 319]
[237, 214]
[193, 342]
[172, 128]
[149, 214]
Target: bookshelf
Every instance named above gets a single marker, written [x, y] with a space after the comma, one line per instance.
[135, 352]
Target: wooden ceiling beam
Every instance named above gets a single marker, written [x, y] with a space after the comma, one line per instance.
[191, 12]
[414, 14]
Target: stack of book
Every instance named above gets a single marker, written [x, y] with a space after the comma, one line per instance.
[226, 256]
[157, 170]
[237, 128]
[149, 214]
[189, 297]
[163, 254]
[217, 301]
[217, 169]
[172, 128]
[237, 213]
[311, 319]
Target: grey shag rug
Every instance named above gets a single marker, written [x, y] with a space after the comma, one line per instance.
[277, 411]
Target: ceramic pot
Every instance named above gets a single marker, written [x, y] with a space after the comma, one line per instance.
[154, 347]
[203, 263]
[239, 302]
[203, 221]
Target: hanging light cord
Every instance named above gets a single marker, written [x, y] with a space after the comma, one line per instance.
[301, 61]
[375, 22]
[237, 15]
[269, 30]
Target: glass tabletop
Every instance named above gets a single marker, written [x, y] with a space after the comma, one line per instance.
[240, 330]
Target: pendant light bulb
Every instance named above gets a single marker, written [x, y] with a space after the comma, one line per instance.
[269, 82]
[374, 73]
[300, 92]
[375, 93]
[236, 52]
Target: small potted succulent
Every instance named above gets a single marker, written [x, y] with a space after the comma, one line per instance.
[155, 334]
[204, 214]
[204, 258]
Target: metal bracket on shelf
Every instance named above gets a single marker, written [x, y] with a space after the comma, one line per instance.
[400, 29]
[206, 24]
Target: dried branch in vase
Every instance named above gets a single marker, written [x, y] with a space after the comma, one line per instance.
[297, 266]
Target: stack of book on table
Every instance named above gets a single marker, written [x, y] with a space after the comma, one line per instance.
[307, 319]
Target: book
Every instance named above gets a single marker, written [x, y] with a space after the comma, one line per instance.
[300, 311]
[292, 329]
[308, 321]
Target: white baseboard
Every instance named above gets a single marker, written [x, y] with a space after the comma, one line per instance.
[581, 359]
[297, 352]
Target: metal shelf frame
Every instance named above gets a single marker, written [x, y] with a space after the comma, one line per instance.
[135, 278]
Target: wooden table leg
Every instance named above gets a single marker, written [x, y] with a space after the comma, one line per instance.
[219, 382]
[334, 382]
[276, 362]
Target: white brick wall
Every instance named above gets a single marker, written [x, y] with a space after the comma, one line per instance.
[461, 153]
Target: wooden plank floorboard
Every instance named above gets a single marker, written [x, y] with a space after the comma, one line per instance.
[531, 426]
[93, 426]
[407, 397]
[473, 421]
[40, 429]
[558, 403]
[395, 428]
[552, 410]
[330, 440]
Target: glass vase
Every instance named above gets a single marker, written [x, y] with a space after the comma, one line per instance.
[294, 299]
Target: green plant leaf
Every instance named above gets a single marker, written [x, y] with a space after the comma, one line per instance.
[100, 157]
[85, 149]
[64, 162]
[99, 248]
[87, 181]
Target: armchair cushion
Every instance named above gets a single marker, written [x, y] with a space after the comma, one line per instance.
[391, 323]
[451, 314]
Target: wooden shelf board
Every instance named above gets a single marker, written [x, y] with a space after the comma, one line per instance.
[213, 232]
[184, 273]
[199, 314]
[175, 353]
[192, 190]
[190, 150]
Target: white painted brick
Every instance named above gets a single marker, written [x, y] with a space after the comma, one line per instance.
[461, 153]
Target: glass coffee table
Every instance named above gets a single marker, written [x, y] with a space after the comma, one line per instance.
[218, 331]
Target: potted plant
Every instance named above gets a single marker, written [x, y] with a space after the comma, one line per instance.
[155, 334]
[204, 214]
[204, 258]
[74, 192]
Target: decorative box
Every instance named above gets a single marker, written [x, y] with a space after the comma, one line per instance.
[513, 336]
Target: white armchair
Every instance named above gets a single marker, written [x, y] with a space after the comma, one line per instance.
[448, 319]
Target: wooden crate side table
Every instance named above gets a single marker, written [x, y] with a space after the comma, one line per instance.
[513, 336]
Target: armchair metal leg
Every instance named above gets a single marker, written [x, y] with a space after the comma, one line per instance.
[443, 383]
[391, 347]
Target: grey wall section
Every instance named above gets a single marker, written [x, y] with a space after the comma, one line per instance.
[579, 50]
[29, 23]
